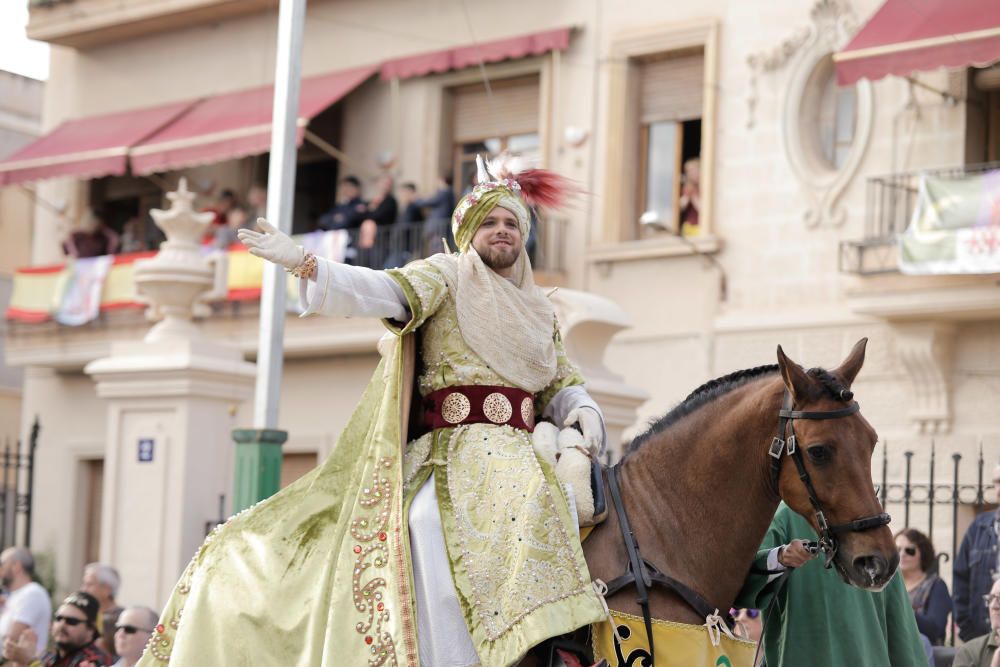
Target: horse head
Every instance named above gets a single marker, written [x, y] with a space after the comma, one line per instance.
[835, 444]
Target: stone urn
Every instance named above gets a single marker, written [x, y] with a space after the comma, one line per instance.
[178, 281]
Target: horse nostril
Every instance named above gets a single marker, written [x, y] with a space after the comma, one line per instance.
[872, 568]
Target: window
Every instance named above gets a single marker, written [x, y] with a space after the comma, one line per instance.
[830, 112]
[670, 108]
[93, 476]
[660, 124]
[489, 124]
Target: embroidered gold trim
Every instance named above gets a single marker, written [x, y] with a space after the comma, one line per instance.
[528, 412]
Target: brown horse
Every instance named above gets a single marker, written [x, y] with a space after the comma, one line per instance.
[698, 490]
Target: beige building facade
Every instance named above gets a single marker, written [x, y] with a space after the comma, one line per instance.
[640, 90]
[20, 124]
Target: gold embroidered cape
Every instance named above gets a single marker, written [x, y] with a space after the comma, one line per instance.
[315, 575]
[318, 575]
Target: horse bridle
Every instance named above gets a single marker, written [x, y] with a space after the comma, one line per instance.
[786, 418]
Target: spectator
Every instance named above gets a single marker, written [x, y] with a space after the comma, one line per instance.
[75, 630]
[257, 202]
[690, 201]
[928, 593]
[409, 210]
[134, 628]
[982, 651]
[350, 209]
[441, 203]
[225, 235]
[102, 581]
[748, 623]
[975, 568]
[381, 212]
[817, 619]
[221, 208]
[92, 238]
[132, 237]
[438, 225]
[28, 605]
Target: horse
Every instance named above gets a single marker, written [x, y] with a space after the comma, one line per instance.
[701, 485]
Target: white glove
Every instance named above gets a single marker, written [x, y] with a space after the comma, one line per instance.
[591, 426]
[273, 245]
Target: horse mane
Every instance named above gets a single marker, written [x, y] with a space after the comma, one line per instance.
[714, 389]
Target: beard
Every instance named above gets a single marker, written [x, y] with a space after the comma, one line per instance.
[67, 647]
[499, 258]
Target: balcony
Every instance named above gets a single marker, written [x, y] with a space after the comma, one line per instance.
[34, 337]
[880, 290]
[84, 23]
[890, 201]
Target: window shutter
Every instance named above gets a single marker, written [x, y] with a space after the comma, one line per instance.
[513, 110]
[670, 87]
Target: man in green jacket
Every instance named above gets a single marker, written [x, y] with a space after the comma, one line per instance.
[819, 620]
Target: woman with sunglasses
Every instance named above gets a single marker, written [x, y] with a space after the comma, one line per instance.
[928, 592]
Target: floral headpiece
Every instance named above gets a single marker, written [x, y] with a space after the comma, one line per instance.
[500, 183]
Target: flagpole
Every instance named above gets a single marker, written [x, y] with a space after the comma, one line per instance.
[258, 450]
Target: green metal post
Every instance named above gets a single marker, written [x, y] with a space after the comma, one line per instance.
[258, 465]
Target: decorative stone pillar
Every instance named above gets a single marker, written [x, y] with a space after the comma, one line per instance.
[172, 401]
[925, 350]
[587, 323]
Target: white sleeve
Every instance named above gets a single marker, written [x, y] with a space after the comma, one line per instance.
[773, 564]
[352, 291]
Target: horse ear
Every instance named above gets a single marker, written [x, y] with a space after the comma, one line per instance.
[848, 370]
[796, 380]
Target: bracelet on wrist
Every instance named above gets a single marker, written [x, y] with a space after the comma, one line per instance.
[304, 269]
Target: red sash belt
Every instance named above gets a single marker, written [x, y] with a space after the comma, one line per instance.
[479, 404]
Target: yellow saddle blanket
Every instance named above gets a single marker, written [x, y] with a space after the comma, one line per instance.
[677, 645]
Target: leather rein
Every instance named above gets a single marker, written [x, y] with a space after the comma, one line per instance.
[644, 575]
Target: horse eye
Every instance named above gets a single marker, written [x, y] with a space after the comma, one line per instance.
[819, 454]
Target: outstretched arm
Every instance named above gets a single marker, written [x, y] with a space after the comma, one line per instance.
[339, 289]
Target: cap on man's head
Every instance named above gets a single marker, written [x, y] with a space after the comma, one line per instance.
[89, 605]
[353, 180]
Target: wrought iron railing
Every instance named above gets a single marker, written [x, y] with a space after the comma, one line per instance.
[395, 245]
[889, 204]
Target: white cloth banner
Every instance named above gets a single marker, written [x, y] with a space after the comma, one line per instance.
[955, 227]
[81, 295]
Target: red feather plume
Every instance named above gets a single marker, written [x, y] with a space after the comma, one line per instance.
[544, 188]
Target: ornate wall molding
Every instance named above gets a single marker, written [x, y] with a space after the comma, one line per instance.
[807, 53]
[925, 350]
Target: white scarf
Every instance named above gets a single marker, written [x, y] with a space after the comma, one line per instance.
[509, 323]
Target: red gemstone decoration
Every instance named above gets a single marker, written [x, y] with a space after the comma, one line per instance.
[368, 639]
[357, 549]
[381, 606]
[382, 536]
[160, 628]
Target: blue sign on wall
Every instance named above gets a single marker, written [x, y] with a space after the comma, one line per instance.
[145, 450]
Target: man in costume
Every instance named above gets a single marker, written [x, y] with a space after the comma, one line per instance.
[817, 619]
[457, 544]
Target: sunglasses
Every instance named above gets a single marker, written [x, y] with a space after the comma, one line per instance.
[130, 629]
[909, 551]
[752, 613]
[70, 620]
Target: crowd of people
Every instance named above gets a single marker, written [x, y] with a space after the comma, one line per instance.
[89, 628]
[388, 205]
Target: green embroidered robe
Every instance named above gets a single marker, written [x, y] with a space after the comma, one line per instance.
[318, 574]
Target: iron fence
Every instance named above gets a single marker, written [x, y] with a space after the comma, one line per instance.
[957, 488]
[889, 204]
[17, 490]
